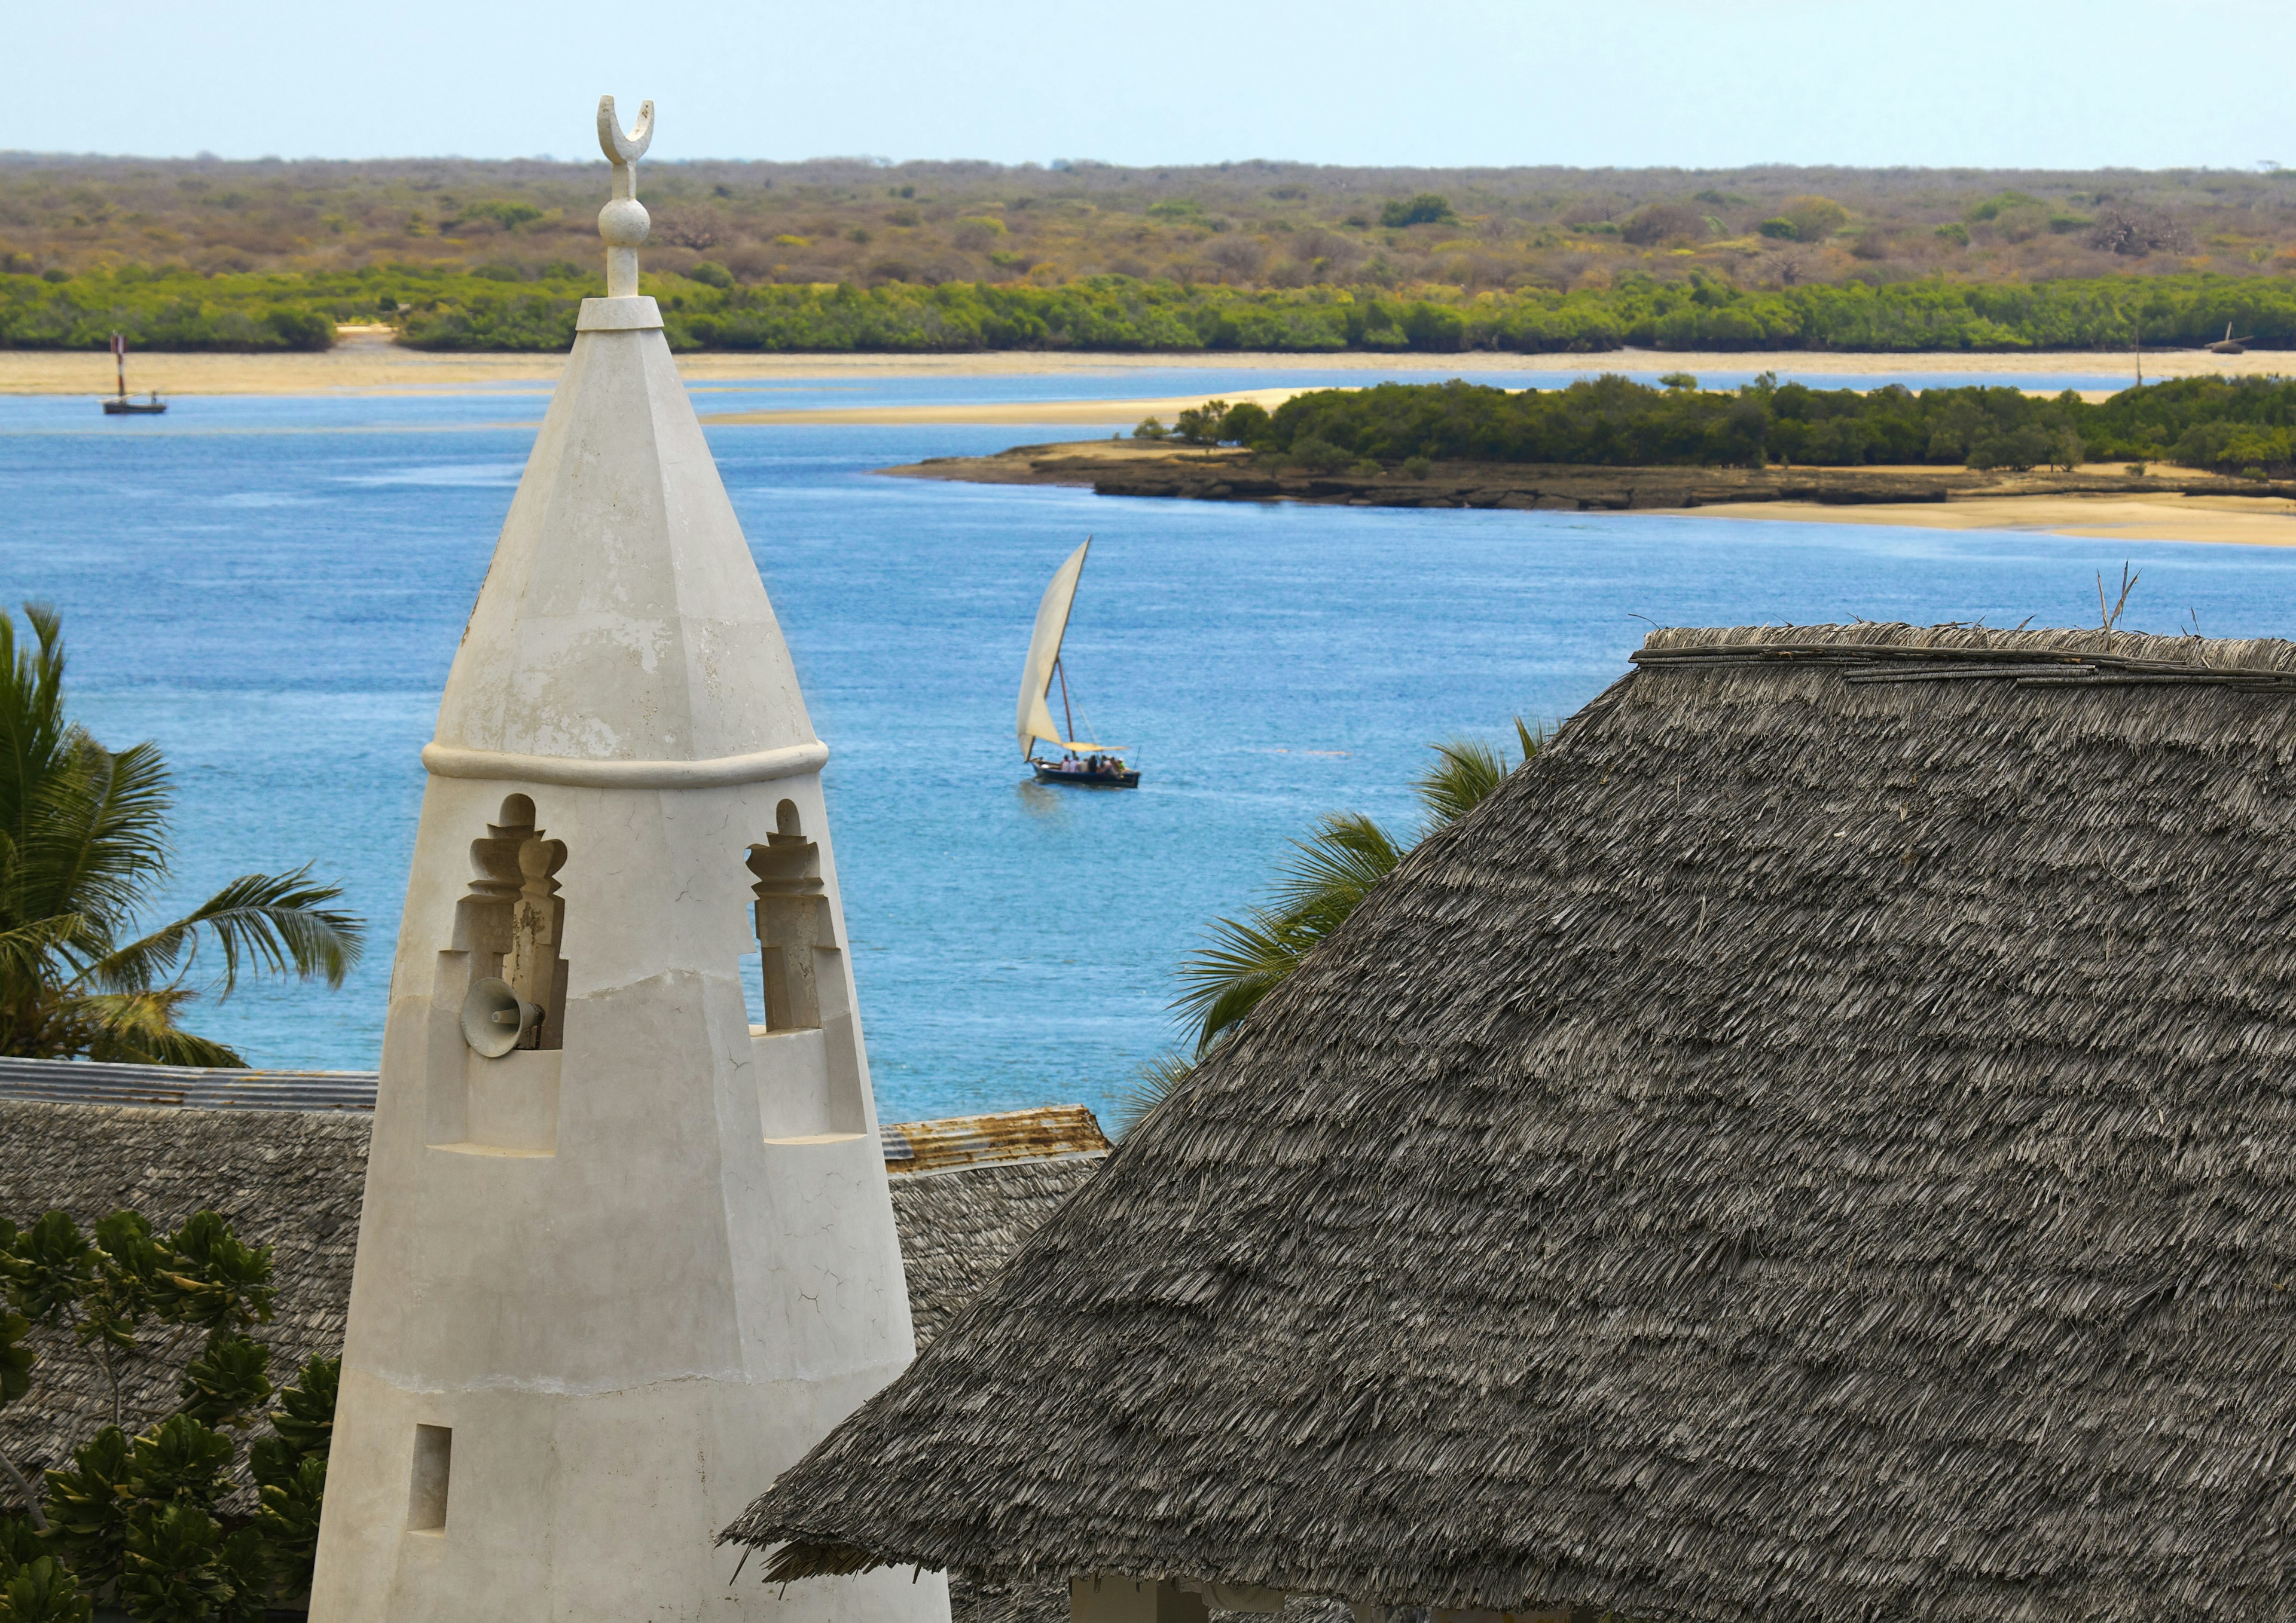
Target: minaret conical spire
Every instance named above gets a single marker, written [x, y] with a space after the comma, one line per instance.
[623, 626]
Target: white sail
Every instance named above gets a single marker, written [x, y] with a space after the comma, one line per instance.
[1035, 720]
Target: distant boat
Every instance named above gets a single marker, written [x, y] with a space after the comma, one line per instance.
[119, 405]
[2228, 344]
[1082, 763]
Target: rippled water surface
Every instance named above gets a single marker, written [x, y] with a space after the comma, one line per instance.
[272, 588]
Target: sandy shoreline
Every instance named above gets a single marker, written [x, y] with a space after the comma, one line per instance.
[1013, 414]
[2098, 500]
[2241, 520]
[367, 363]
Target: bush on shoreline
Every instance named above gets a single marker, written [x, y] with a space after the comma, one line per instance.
[2227, 425]
[455, 309]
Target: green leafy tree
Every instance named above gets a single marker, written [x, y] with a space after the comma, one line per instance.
[180, 1461]
[2017, 450]
[134, 1519]
[201, 1277]
[227, 1382]
[1245, 424]
[35, 1587]
[1427, 209]
[1813, 218]
[1663, 222]
[1200, 425]
[214, 1281]
[15, 1378]
[104, 1291]
[290, 1468]
[89, 1505]
[179, 1566]
[83, 844]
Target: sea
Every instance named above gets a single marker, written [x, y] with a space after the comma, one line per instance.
[271, 589]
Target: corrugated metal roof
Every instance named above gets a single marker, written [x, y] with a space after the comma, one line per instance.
[909, 1146]
[1005, 1136]
[91, 1082]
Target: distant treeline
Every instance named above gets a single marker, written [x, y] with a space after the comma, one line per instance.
[463, 310]
[2230, 425]
[1119, 313]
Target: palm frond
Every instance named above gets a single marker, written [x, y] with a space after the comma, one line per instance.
[97, 838]
[1332, 870]
[139, 1029]
[24, 948]
[83, 843]
[1244, 959]
[1153, 1083]
[276, 921]
[1328, 873]
[1466, 770]
[32, 725]
[1533, 739]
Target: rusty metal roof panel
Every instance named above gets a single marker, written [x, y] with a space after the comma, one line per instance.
[1044, 1133]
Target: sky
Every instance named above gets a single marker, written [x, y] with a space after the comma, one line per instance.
[1632, 83]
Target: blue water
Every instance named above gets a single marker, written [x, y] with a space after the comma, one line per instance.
[272, 589]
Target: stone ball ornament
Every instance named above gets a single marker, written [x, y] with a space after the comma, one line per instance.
[624, 223]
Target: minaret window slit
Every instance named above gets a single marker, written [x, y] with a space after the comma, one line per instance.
[426, 1498]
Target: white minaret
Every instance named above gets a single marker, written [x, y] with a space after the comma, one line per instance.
[624, 1255]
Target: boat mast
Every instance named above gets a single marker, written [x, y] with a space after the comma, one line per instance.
[1065, 716]
[119, 361]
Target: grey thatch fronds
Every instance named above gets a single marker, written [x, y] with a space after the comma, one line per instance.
[293, 1180]
[1819, 1144]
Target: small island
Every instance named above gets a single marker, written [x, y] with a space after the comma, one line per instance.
[1131, 468]
[1610, 443]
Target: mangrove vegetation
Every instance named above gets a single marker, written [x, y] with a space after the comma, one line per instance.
[2238, 425]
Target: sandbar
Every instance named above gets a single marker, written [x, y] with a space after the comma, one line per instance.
[2244, 520]
[364, 361]
[1006, 413]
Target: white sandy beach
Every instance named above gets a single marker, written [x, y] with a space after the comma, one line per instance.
[2247, 520]
[365, 362]
[1009, 413]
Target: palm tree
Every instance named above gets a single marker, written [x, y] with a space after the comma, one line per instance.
[1329, 872]
[83, 843]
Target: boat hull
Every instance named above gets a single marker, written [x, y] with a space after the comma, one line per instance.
[134, 408]
[1049, 774]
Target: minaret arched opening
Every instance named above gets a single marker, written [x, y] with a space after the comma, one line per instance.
[792, 920]
[483, 1097]
[514, 920]
[807, 1052]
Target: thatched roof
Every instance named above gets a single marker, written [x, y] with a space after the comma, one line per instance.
[294, 1180]
[1818, 1144]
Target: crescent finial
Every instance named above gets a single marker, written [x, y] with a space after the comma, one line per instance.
[620, 148]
